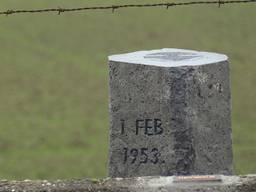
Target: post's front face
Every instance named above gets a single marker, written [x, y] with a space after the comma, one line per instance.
[161, 119]
[140, 141]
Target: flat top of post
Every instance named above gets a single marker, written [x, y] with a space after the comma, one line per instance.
[169, 57]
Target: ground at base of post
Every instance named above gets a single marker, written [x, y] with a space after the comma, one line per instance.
[139, 184]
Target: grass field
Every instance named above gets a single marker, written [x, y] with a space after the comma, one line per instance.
[54, 79]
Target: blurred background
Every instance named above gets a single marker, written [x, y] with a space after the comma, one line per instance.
[54, 78]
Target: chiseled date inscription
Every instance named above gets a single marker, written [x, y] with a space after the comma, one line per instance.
[149, 127]
[142, 156]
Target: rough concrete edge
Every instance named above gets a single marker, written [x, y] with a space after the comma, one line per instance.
[140, 184]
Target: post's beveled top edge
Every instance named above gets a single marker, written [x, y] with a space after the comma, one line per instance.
[169, 57]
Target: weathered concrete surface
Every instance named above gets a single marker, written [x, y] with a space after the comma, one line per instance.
[172, 117]
[143, 184]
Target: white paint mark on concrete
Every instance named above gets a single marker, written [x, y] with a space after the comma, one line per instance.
[169, 57]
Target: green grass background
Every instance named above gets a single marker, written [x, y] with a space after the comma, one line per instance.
[54, 79]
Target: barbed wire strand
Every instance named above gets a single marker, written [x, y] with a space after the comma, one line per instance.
[60, 10]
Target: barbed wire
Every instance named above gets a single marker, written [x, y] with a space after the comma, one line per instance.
[60, 10]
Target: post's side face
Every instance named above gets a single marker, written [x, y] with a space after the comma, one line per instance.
[169, 120]
[209, 115]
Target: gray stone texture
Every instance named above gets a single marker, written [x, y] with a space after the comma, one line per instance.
[169, 120]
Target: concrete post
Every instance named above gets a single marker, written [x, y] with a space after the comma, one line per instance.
[170, 114]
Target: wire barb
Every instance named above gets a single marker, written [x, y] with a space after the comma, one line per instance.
[114, 7]
[60, 10]
[170, 5]
[220, 3]
[9, 12]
